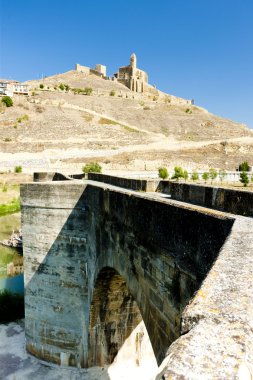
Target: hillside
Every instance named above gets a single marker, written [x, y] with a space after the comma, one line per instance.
[52, 128]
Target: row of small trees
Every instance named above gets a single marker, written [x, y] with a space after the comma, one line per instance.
[179, 172]
[212, 174]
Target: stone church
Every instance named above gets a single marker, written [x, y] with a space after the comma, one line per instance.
[132, 77]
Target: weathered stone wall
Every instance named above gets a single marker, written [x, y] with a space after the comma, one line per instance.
[217, 327]
[126, 183]
[83, 69]
[162, 251]
[228, 200]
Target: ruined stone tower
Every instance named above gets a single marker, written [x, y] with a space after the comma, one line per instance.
[133, 61]
[132, 77]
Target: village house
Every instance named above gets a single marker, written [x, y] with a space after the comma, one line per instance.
[11, 87]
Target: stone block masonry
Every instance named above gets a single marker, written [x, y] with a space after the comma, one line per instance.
[91, 249]
[228, 200]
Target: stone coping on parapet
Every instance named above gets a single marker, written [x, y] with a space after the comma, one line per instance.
[233, 201]
[149, 196]
[218, 198]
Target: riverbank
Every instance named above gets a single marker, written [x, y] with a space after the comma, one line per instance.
[10, 208]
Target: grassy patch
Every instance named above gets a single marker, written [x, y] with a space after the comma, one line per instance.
[11, 306]
[87, 116]
[129, 129]
[104, 120]
[10, 208]
[22, 118]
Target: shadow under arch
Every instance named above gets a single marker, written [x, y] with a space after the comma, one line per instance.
[114, 314]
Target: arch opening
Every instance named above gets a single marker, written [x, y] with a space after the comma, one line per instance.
[117, 333]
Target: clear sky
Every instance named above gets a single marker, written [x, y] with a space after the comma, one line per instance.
[196, 49]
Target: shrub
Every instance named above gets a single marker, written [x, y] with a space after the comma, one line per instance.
[195, 176]
[244, 167]
[10, 208]
[39, 108]
[87, 91]
[188, 110]
[7, 101]
[18, 169]
[22, 118]
[7, 139]
[178, 173]
[222, 174]
[41, 86]
[244, 179]
[66, 87]
[4, 188]
[11, 306]
[251, 178]
[163, 173]
[205, 176]
[212, 174]
[112, 93]
[92, 167]
[61, 87]
[185, 175]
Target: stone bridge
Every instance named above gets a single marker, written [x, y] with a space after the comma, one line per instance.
[99, 259]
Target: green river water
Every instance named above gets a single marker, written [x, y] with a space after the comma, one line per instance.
[8, 223]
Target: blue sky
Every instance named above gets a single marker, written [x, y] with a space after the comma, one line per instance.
[197, 49]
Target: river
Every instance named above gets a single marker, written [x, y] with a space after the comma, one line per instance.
[15, 284]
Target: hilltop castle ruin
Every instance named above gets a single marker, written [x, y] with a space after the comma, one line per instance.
[135, 79]
[132, 77]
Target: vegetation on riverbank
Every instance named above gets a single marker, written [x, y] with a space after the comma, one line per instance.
[11, 306]
[10, 208]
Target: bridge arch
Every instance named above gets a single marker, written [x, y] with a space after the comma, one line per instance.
[114, 314]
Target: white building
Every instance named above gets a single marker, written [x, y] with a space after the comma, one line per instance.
[10, 87]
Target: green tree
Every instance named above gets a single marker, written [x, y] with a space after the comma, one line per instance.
[112, 93]
[194, 176]
[41, 86]
[244, 167]
[92, 167]
[251, 178]
[185, 175]
[222, 174]
[163, 173]
[205, 176]
[244, 179]
[66, 87]
[178, 173]
[7, 101]
[212, 174]
[61, 87]
[18, 169]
